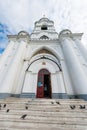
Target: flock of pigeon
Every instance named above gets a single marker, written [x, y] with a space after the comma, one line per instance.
[80, 106]
[7, 110]
[72, 106]
[4, 107]
[26, 107]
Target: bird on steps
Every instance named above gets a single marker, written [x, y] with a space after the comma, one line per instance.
[58, 103]
[52, 102]
[72, 106]
[4, 105]
[23, 116]
[7, 110]
[82, 106]
[26, 107]
[0, 106]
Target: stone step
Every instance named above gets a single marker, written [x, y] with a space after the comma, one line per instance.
[41, 100]
[45, 119]
[47, 114]
[42, 114]
[48, 110]
[41, 128]
[43, 111]
[42, 105]
[29, 125]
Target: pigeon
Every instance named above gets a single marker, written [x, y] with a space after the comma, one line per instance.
[52, 102]
[58, 103]
[72, 106]
[82, 106]
[7, 110]
[0, 105]
[4, 105]
[26, 107]
[23, 116]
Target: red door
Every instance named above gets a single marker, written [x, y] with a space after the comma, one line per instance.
[41, 84]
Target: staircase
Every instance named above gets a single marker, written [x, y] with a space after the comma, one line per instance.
[42, 114]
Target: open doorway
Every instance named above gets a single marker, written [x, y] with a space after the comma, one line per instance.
[44, 84]
[47, 86]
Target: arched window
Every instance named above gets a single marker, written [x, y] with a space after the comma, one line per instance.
[44, 27]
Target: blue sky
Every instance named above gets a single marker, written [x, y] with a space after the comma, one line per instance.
[17, 15]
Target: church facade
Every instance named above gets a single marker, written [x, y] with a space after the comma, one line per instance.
[44, 64]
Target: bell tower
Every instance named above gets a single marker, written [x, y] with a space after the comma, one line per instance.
[44, 29]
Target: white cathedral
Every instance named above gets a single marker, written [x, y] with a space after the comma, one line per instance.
[44, 64]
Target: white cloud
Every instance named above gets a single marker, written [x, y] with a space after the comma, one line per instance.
[21, 14]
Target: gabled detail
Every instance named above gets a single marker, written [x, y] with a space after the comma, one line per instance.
[44, 37]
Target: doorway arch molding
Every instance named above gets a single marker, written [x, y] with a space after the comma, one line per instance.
[44, 57]
[50, 49]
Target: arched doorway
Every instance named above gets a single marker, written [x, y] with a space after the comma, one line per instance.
[44, 84]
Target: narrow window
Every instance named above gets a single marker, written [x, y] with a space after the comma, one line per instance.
[44, 27]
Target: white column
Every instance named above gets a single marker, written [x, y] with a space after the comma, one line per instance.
[21, 80]
[81, 48]
[8, 83]
[78, 78]
[28, 83]
[62, 88]
[35, 78]
[54, 83]
[6, 53]
[66, 78]
[8, 60]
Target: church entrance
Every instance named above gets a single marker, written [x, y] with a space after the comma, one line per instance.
[44, 84]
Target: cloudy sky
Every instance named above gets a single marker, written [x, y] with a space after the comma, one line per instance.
[17, 15]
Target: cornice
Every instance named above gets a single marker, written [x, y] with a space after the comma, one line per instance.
[72, 35]
[44, 41]
[49, 32]
[18, 38]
